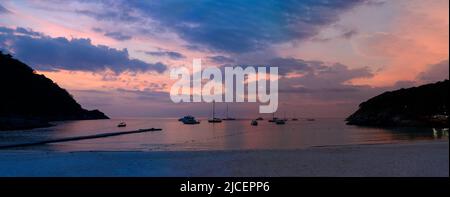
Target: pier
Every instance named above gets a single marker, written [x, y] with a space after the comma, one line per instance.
[76, 138]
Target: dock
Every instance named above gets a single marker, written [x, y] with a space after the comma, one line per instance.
[77, 138]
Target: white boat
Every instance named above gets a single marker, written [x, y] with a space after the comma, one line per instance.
[122, 124]
[189, 120]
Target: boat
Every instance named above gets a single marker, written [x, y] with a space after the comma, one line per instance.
[310, 119]
[214, 119]
[122, 124]
[260, 118]
[228, 117]
[274, 119]
[294, 119]
[280, 121]
[254, 123]
[189, 117]
[189, 120]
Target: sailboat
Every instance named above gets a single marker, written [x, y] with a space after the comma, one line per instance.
[294, 118]
[228, 117]
[285, 118]
[274, 119]
[214, 119]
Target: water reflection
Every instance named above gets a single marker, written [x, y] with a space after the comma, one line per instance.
[228, 135]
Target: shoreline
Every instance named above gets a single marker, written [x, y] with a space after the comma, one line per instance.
[403, 159]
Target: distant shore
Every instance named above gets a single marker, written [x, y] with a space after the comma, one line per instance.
[412, 159]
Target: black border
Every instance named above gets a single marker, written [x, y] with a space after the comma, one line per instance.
[278, 185]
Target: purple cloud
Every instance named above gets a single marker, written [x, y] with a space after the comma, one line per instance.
[47, 53]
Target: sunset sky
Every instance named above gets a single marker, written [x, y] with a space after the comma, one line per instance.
[332, 55]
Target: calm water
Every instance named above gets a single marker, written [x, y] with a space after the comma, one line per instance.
[229, 135]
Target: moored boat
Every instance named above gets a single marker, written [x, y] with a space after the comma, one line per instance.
[189, 120]
[228, 117]
[122, 124]
[214, 119]
[280, 121]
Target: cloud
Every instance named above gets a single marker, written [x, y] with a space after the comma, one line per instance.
[3, 10]
[221, 59]
[334, 32]
[288, 65]
[47, 53]
[435, 72]
[164, 53]
[311, 76]
[118, 36]
[259, 24]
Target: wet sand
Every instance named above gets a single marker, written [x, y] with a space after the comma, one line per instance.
[413, 159]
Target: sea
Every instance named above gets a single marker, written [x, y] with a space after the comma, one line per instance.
[228, 135]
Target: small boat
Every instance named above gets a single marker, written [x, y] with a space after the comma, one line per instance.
[228, 117]
[310, 119]
[122, 124]
[214, 119]
[186, 118]
[280, 121]
[189, 120]
[254, 123]
[294, 119]
[274, 119]
[260, 118]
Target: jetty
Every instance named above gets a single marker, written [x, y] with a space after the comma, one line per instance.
[77, 138]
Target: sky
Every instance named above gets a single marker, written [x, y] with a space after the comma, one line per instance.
[116, 55]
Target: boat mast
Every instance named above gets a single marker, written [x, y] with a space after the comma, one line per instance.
[227, 111]
[214, 110]
[273, 113]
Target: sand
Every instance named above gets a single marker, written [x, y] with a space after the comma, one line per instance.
[416, 159]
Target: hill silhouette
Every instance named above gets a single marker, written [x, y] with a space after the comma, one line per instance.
[426, 105]
[30, 100]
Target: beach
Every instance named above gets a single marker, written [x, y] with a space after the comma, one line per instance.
[418, 159]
